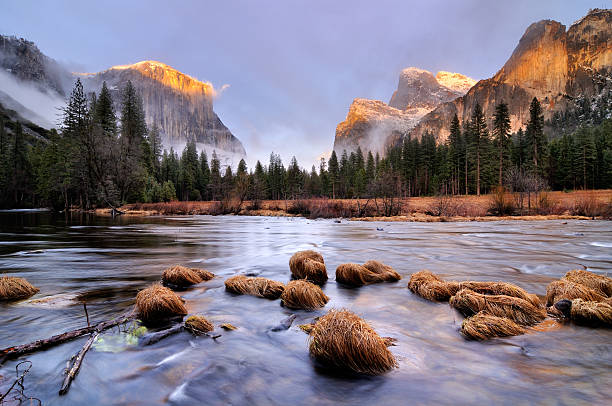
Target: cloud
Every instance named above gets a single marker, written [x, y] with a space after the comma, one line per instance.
[39, 106]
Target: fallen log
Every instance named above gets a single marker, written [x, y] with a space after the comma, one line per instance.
[77, 364]
[14, 352]
[155, 337]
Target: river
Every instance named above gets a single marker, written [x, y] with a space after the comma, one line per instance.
[105, 261]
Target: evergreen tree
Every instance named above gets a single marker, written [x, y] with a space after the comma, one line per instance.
[334, 172]
[479, 137]
[501, 132]
[535, 135]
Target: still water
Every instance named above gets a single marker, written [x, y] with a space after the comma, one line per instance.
[105, 262]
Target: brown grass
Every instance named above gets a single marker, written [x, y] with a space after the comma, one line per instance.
[301, 294]
[182, 276]
[359, 275]
[156, 304]
[228, 327]
[255, 286]
[495, 288]
[565, 289]
[341, 339]
[385, 272]
[483, 326]
[197, 324]
[591, 313]
[308, 265]
[429, 286]
[518, 310]
[599, 283]
[13, 288]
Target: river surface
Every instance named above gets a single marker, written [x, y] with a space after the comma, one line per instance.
[105, 261]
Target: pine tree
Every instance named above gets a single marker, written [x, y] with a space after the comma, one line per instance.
[501, 132]
[455, 151]
[479, 136]
[535, 135]
[104, 112]
[215, 176]
[334, 172]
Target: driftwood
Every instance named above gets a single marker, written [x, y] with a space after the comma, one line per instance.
[14, 352]
[160, 335]
[77, 364]
[21, 397]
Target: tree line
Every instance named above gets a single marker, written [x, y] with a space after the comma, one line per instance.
[100, 157]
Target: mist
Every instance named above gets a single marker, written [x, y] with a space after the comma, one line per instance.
[32, 103]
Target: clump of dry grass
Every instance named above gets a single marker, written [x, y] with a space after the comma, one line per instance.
[308, 265]
[429, 286]
[518, 310]
[565, 289]
[591, 313]
[228, 327]
[599, 283]
[385, 272]
[341, 339]
[483, 326]
[301, 294]
[495, 288]
[156, 304]
[255, 286]
[13, 288]
[197, 324]
[359, 275]
[182, 276]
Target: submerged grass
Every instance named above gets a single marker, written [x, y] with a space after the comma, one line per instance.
[370, 272]
[197, 324]
[483, 326]
[301, 294]
[565, 289]
[156, 304]
[308, 265]
[182, 276]
[341, 339]
[599, 283]
[13, 288]
[429, 286]
[518, 310]
[255, 286]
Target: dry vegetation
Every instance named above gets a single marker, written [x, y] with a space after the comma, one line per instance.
[156, 304]
[197, 324]
[483, 326]
[182, 276]
[341, 339]
[13, 288]
[591, 313]
[499, 204]
[370, 272]
[301, 294]
[599, 283]
[518, 310]
[254, 286]
[565, 289]
[495, 288]
[308, 265]
[429, 286]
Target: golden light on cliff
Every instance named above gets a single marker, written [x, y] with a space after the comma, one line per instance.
[168, 76]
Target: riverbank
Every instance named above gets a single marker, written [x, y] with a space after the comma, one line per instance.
[583, 205]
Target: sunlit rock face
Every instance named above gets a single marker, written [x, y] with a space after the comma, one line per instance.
[550, 63]
[374, 125]
[181, 106]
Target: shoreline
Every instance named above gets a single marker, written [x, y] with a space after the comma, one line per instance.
[576, 205]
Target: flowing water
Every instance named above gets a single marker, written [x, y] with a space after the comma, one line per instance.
[105, 261]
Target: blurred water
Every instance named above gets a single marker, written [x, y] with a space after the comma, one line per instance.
[105, 261]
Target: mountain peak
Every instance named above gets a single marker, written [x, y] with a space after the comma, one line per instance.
[169, 76]
[455, 81]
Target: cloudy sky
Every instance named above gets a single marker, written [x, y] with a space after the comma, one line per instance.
[293, 67]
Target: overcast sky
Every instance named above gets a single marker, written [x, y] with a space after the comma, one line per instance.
[293, 67]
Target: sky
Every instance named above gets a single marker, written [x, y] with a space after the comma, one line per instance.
[292, 68]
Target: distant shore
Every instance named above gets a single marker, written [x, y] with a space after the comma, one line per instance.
[576, 205]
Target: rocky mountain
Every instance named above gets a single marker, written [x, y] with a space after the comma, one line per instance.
[558, 67]
[34, 85]
[180, 105]
[374, 125]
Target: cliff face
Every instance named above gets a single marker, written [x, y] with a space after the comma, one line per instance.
[181, 106]
[374, 125]
[550, 63]
[23, 60]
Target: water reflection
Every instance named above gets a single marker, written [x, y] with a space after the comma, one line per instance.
[105, 261]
